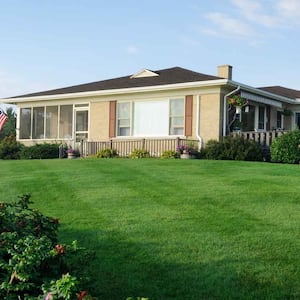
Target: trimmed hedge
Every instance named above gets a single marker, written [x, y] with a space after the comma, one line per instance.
[40, 151]
[233, 148]
[286, 148]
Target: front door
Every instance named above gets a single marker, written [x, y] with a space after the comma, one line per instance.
[81, 124]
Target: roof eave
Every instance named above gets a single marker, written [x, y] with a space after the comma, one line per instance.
[263, 93]
[217, 82]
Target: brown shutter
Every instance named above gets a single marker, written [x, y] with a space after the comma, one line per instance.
[188, 115]
[112, 118]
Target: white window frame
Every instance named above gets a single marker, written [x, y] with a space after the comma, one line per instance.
[80, 108]
[130, 119]
[281, 120]
[176, 116]
[131, 103]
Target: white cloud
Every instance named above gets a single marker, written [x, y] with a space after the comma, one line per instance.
[132, 49]
[249, 18]
[228, 25]
[254, 12]
[289, 10]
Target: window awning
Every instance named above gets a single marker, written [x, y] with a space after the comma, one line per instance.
[260, 99]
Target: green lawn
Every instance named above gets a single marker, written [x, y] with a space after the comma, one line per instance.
[173, 229]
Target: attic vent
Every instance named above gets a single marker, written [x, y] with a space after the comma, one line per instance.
[144, 73]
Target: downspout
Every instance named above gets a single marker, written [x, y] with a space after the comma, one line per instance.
[225, 109]
[198, 123]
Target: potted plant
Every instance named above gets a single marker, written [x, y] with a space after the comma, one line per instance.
[72, 153]
[238, 102]
[186, 151]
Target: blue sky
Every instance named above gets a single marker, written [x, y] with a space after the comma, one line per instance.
[55, 43]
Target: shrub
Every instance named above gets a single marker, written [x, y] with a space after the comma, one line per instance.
[10, 148]
[233, 148]
[32, 260]
[286, 148]
[40, 151]
[169, 154]
[107, 153]
[139, 153]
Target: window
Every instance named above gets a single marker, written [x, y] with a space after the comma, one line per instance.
[123, 117]
[66, 121]
[38, 122]
[25, 123]
[51, 122]
[279, 119]
[297, 119]
[176, 116]
[47, 122]
[151, 118]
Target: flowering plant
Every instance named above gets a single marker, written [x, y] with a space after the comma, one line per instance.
[236, 100]
[185, 149]
[72, 151]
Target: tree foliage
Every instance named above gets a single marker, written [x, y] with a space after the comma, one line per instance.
[9, 128]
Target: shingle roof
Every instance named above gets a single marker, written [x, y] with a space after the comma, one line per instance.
[282, 91]
[166, 76]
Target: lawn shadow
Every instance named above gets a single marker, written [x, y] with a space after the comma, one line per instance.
[125, 268]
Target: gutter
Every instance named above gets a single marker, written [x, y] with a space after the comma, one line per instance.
[225, 109]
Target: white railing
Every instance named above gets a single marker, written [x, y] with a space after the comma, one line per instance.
[124, 147]
[264, 138]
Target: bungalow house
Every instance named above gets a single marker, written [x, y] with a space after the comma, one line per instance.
[166, 105]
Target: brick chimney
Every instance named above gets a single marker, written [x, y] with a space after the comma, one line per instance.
[225, 71]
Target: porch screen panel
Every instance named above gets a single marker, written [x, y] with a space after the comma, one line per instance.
[51, 122]
[151, 118]
[65, 121]
[25, 123]
[248, 118]
[38, 115]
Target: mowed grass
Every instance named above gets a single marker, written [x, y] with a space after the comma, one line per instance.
[173, 229]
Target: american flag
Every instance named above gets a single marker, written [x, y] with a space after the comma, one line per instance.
[3, 119]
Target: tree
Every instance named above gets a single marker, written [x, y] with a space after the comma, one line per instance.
[9, 127]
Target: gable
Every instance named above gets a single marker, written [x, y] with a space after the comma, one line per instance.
[144, 73]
